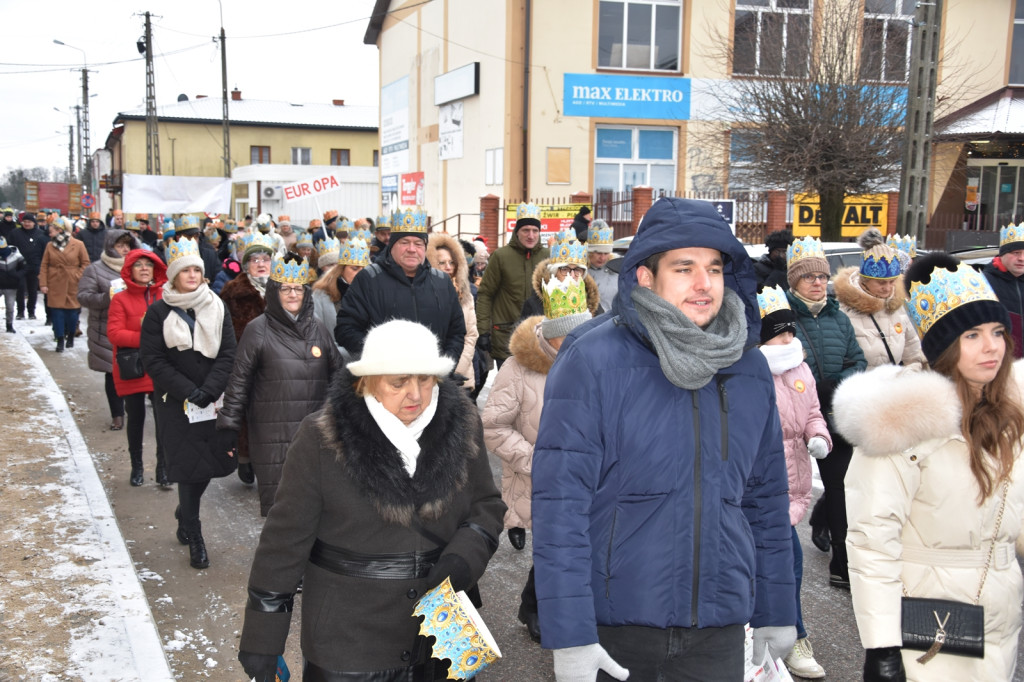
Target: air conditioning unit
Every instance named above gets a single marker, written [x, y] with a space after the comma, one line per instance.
[271, 193]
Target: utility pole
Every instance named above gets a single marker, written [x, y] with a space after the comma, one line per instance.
[224, 97]
[78, 126]
[152, 133]
[924, 63]
[85, 130]
[71, 153]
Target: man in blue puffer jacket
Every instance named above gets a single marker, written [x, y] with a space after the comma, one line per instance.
[661, 522]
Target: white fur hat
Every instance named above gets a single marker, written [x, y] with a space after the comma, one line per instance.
[401, 347]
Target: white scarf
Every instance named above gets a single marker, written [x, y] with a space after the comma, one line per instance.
[209, 320]
[785, 357]
[259, 283]
[405, 438]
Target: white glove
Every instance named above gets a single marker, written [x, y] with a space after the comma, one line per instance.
[582, 663]
[778, 638]
[817, 447]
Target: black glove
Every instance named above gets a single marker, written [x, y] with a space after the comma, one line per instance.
[261, 666]
[450, 566]
[199, 398]
[884, 665]
[226, 440]
[483, 342]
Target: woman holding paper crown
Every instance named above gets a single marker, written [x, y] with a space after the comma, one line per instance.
[188, 347]
[568, 257]
[282, 369]
[330, 287]
[512, 414]
[445, 254]
[934, 495]
[386, 492]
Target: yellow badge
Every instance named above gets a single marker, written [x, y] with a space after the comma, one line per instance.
[799, 386]
[316, 351]
[899, 327]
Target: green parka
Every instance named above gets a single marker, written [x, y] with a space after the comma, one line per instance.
[507, 283]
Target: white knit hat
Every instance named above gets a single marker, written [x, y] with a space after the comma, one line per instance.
[401, 347]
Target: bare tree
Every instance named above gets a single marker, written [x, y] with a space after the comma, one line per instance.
[12, 187]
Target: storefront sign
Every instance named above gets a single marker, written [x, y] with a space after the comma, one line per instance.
[859, 213]
[586, 94]
[552, 218]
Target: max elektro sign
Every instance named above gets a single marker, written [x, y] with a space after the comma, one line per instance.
[626, 96]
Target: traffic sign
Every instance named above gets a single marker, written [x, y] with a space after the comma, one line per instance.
[88, 201]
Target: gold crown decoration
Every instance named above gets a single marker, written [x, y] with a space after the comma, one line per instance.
[457, 631]
[600, 236]
[304, 239]
[771, 300]
[565, 297]
[291, 272]
[327, 246]
[527, 210]
[906, 244]
[361, 233]
[344, 225]
[1011, 234]
[570, 252]
[563, 235]
[182, 247]
[356, 252]
[944, 292]
[384, 222]
[410, 220]
[880, 262]
[808, 247]
[260, 240]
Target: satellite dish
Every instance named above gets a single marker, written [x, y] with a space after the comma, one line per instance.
[182, 97]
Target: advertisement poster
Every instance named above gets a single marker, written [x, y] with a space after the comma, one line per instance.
[388, 195]
[449, 128]
[394, 127]
[552, 218]
[411, 189]
[859, 213]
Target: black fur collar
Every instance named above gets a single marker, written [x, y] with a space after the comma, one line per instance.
[452, 437]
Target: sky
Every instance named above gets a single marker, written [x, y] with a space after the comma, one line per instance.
[301, 51]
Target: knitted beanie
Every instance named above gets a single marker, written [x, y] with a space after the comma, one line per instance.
[804, 266]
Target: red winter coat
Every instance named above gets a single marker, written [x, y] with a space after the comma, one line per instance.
[124, 321]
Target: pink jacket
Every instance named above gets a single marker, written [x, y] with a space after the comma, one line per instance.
[800, 412]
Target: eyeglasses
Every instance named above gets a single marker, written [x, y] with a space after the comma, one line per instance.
[259, 259]
[294, 291]
[814, 277]
[575, 272]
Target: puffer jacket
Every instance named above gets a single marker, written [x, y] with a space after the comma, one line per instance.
[95, 241]
[535, 304]
[12, 267]
[506, 285]
[94, 294]
[124, 318]
[460, 279]
[1010, 292]
[915, 520]
[512, 416]
[654, 505]
[61, 271]
[281, 373]
[894, 329]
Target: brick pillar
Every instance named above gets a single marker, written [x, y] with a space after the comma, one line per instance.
[643, 197]
[776, 211]
[894, 214]
[490, 220]
[582, 198]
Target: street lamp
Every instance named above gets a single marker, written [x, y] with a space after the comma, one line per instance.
[87, 179]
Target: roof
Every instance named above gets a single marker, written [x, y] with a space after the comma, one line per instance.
[998, 113]
[380, 11]
[263, 113]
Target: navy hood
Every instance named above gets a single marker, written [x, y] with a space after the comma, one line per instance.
[673, 223]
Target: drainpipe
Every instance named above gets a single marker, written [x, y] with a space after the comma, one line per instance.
[526, 104]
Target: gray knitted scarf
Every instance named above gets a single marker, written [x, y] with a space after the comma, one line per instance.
[691, 356]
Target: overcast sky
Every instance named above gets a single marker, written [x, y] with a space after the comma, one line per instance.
[297, 51]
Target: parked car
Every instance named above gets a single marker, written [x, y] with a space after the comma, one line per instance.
[977, 257]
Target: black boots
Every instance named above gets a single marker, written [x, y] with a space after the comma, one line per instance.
[136, 477]
[70, 340]
[181, 533]
[197, 557]
[528, 617]
[838, 569]
[60, 345]
[245, 473]
[10, 328]
[517, 537]
[819, 526]
[161, 471]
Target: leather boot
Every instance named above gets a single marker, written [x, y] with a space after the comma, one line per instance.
[60, 345]
[70, 341]
[529, 618]
[839, 571]
[517, 537]
[136, 477]
[819, 526]
[181, 533]
[197, 557]
[161, 472]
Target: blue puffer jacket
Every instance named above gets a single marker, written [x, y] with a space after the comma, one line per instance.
[630, 528]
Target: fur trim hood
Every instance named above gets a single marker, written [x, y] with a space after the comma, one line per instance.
[851, 295]
[438, 240]
[541, 275]
[525, 345]
[451, 439]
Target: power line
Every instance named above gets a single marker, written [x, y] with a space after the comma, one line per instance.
[76, 67]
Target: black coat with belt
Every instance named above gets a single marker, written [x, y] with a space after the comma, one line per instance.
[345, 485]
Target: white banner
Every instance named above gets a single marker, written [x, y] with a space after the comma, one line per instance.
[310, 187]
[175, 194]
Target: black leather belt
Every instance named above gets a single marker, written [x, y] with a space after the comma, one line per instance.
[404, 566]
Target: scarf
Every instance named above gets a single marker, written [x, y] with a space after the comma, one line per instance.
[782, 358]
[691, 356]
[209, 314]
[60, 241]
[814, 306]
[114, 264]
[259, 283]
[404, 438]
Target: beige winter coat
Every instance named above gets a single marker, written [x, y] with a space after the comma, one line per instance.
[61, 271]
[512, 416]
[915, 522]
[891, 316]
[461, 282]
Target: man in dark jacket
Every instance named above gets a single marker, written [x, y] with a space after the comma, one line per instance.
[1006, 275]
[660, 494]
[402, 285]
[381, 236]
[507, 283]
[211, 261]
[31, 242]
[581, 223]
[93, 236]
[770, 268]
[8, 224]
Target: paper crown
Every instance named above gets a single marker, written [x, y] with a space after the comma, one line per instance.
[772, 300]
[3, 243]
[189, 222]
[410, 220]
[570, 252]
[355, 252]
[945, 292]
[284, 220]
[562, 235]
[460, 635]
[304, 239]
[383, 222]
[259, 242]
[906, 244]
[566, 297]
[230, 226]
[327, 246]
[132, 225]
[526, 210]
[345, 225]
[290, 272]
[329, 214]
[179, 248]
[1011, 234]
[361, 233]
[808, 247]
[600, 236]
[880, 263]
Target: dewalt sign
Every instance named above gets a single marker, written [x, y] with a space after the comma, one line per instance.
[859, 213]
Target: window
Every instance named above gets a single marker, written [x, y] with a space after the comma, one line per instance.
[339, 157]
[885, 50]
[626, 157]
[1017, 48]
[259, 155]
[742, 144]
[376, 158]
[649, 29]
[559, 165]
[301, 156]
[772, 37]
[494, 166]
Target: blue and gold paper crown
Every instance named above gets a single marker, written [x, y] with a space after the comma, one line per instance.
[330, 245]
[291, 272]
[182, 247]
[260, 240]
[566, 297]
[361, 233]
[880, 262]
[304, 239]
[808, 247]
[771, 300]
[3, 243]
[457, 631]
[384, 221]
[945, 292]
[562, 235]
[410, 220]
[906, 244]
[526, 210]
[570, 252]
[345, 225]
[600, 236]
[356, 252]
[189, 222]
[1011, 234]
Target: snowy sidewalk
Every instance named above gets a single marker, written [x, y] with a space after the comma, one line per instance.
[71, 605]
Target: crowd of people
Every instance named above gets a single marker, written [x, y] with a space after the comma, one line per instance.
[657, 418]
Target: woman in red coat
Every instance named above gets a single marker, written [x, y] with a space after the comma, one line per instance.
[144, 274]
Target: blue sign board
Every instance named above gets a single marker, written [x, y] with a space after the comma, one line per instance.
[599, 95]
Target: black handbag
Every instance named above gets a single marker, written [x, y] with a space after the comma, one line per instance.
[129, 363]
[946, 626]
